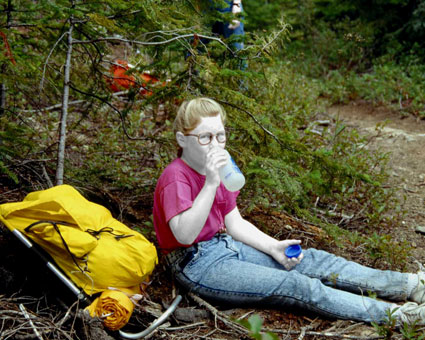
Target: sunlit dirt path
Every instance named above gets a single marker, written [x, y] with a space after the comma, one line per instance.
[404, 140]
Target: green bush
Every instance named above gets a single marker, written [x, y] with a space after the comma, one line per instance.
[272, 107]
[15, 146]
[399, 87]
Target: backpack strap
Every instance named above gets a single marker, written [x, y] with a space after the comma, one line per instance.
[96, 233]
[56, 227]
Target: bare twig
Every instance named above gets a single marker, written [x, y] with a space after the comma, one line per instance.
[119, 113]
[332, 213]
[219, 315]
[46, 175]
[178, 328]
[153, 43]
[67, 315]
[17, 323]
[48, 57]
[22, 308]
[303, 332]
[256, 121]
[74, 102]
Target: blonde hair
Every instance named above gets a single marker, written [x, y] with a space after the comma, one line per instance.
[190, 113]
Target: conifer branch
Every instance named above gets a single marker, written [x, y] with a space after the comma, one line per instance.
[272, 39]
[154, 43]
[74, 102]
[267, 131]
[113, 107]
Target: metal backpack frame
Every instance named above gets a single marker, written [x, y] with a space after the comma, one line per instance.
[81, 295]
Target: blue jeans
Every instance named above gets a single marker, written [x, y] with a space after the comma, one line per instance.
[229, 272]
[222, 28]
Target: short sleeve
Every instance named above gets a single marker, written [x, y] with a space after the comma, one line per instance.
[230, 201]
[175, 198]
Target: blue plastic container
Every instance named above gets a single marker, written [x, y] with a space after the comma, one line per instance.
[293, 251]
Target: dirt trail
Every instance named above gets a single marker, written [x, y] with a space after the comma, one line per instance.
[404, 139]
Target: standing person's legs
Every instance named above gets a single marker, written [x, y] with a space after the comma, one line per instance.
[222, 29]
[239, 33]
[218, 271]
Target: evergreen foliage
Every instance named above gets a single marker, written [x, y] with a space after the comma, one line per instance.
[121, 142]
[395, 27]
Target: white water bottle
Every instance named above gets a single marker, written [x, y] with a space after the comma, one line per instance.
[230, 175]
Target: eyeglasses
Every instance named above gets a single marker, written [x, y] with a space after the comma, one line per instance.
[207, 137]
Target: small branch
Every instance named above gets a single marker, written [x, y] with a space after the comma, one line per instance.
[219, 315]
[179, 328]
[26, 161]
[153, 43]
[303, 332]
[271, 40]
[74, 102]
[268, 132]
[46, 175]
[67, 315]
[21, 25]
[53, 107]
[22, 308]
[332, 213]
[113, 108]
[47, 60]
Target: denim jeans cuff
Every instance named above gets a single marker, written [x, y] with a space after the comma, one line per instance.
[412, 283]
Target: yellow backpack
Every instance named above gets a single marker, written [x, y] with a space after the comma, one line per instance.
[95, 250]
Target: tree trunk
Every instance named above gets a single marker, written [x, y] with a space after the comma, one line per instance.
[3, 88]
[64, 113]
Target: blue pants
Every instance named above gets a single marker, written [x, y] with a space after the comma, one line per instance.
[229, 272]
[222, 29]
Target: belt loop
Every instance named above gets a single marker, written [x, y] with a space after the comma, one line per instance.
[179, 254]
[175, 256]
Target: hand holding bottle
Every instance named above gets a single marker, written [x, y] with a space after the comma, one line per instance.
[215, 159]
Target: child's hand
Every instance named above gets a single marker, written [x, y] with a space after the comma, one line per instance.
[215, 159]
[278, 254]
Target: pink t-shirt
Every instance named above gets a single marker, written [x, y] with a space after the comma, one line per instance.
[177, 188]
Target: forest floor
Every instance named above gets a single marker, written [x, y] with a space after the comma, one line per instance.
[404, 139]
[23, 281]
